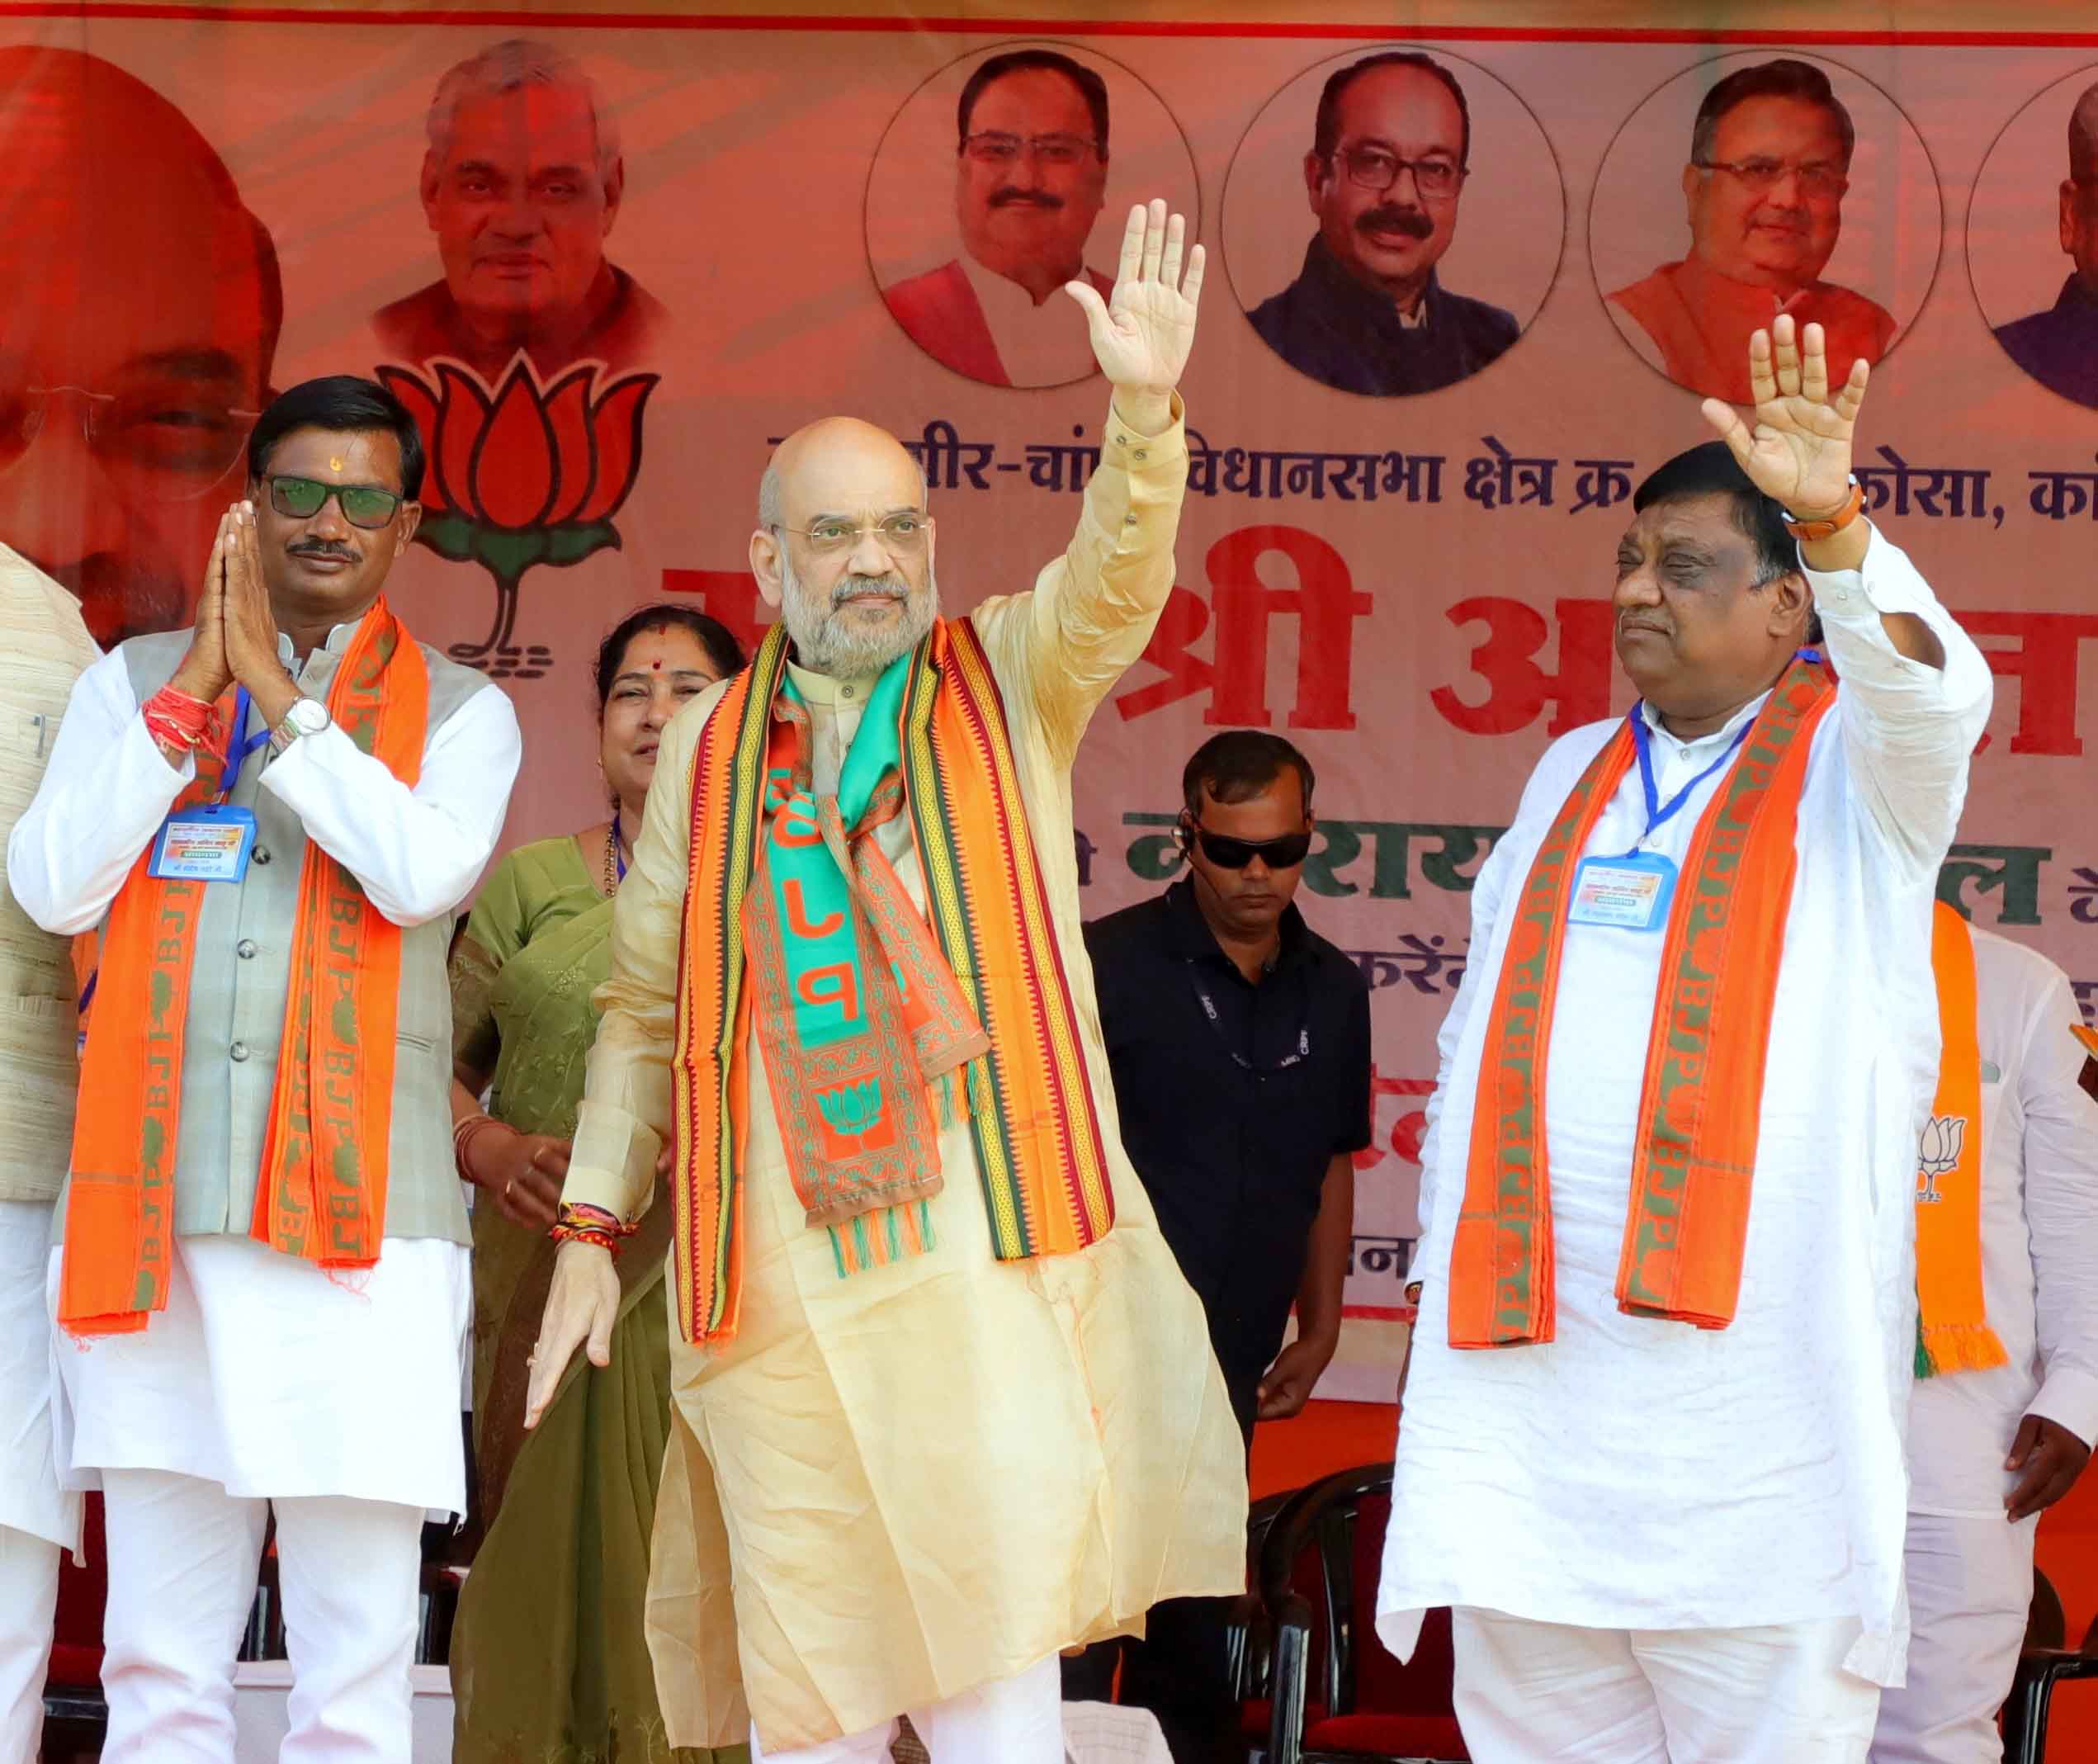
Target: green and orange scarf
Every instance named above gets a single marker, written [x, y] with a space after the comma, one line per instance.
[1953, 1332]
[322, 1195]
[873, 1024]
[1699, 1110]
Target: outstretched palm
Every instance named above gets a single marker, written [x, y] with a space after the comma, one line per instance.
[1799, 451]
[1142, 333]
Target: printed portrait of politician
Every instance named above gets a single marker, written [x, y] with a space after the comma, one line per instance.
[139, 308]
[1391, 150]
[2058, 346]
[1770, 164]
[1031, 177]
[521, 184]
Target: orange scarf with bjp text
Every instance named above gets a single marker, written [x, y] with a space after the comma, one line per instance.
[322, 1193]
[1693, 1156]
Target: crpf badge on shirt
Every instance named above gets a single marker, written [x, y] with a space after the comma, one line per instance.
[207, 842]
[1631, 893]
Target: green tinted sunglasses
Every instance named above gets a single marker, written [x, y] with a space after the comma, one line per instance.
[362, 504]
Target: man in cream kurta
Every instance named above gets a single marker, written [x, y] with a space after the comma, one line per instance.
[904, 1490]
[44, 648]
[1663, 1542]
[1991, 1449]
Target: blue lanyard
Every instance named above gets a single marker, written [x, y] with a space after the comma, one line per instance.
[1657, 815]
[618, 851]
[236, 749]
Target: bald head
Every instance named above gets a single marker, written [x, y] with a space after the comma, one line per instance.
[114, 205]
[834, 452]
[2083, 137]
[136, 274]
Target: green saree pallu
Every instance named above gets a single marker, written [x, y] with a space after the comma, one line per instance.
[549, 1661]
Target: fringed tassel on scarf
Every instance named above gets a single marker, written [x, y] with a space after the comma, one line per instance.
[1957, 1347]
[874, 1240]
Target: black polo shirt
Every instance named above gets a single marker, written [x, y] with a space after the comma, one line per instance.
[1232, 1123]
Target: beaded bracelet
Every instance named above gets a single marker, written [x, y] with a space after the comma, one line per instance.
[579, 1215]
[604, 1239]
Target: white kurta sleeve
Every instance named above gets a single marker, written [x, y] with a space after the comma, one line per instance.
[106, 790]
[1908, 729]
[2062, 1212]
[416, 853]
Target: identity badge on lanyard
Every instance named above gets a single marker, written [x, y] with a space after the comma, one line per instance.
[1633, 893]
[211, 841]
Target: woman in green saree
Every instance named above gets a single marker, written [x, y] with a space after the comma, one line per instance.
[549, 1665]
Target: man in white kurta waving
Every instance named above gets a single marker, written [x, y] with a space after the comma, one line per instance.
[943, 1404]
[1652, 1453]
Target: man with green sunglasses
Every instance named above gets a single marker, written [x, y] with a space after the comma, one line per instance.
[263, 1285]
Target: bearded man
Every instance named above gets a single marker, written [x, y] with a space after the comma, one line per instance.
[944, 1405]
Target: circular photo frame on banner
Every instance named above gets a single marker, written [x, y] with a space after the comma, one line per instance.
[1393, 219]
[1006, 174]
[2032, 237]
[1758, 183]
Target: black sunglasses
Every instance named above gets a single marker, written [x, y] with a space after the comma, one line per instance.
[362, 504]
[1228, 853]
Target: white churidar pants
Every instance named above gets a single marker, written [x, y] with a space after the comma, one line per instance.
[29, 1593]
[1970, 1579]
[1544, 1693]
[1016, 1720]
[183, 1556]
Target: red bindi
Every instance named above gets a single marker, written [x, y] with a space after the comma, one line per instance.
[657, 666]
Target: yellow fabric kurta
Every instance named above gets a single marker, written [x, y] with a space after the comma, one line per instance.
[892, 1487]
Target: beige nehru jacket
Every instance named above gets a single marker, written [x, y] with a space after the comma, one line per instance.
[43, 647]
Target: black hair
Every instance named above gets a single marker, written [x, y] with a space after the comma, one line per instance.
[1325, 133]
[1091, 88]
[341, 404]
[1782, 78]
[1711, 469]
[715, 638]
[1239, 763]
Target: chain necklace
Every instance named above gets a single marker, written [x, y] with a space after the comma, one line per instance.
[615, 858]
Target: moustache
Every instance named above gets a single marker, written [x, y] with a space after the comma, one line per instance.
[322, 548]
[1011, 194]
[869, 588]
[1391, 219]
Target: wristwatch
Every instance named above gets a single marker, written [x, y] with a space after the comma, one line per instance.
[1807, 531]
[306, 716]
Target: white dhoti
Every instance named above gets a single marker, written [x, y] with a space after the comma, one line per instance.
[1547, 1693]
[39, 1519]
[268, 1382]
[1970, 1582]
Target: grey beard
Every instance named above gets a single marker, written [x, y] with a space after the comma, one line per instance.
[824, 646]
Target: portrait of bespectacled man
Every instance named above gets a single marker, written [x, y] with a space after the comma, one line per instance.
[1436, 221]
[984, 199]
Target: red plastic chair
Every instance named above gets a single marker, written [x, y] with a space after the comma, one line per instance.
[1339, 1696]
[75, 1717]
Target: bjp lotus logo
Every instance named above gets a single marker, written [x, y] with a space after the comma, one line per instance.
[529, 474]
[1943, 1137]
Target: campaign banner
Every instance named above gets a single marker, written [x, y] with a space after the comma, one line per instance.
[1466, 286]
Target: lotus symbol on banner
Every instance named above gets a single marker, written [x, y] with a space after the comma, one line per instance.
[528, 474]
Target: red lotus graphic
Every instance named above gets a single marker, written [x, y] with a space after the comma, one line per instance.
[527, 474]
